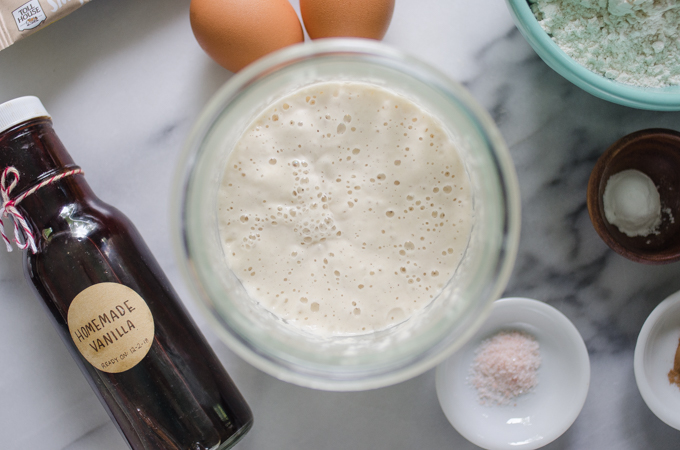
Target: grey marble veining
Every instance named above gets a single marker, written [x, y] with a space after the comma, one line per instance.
[124, 82]
[556, 132]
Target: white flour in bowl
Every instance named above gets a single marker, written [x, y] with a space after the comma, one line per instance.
[633, 42]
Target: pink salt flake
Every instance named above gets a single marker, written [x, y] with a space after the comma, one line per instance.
[505, 367]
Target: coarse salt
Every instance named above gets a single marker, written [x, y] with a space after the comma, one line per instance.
[505, 367]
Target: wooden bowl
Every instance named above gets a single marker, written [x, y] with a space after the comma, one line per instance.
[656, 153]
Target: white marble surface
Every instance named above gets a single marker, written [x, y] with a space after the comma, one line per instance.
[124, 80]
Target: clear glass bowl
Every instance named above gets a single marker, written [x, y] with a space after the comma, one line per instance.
[347, 362]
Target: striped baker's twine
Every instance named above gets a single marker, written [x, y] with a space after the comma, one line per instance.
[8, 208]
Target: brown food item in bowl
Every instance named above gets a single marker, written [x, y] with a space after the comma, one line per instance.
[674, 374]
[237, 32]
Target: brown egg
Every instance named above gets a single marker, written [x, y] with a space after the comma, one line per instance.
[346, 18]
[237, 32]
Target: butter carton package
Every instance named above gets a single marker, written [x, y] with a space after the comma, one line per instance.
[20, 18]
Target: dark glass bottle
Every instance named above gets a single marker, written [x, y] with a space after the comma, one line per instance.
[177, 396]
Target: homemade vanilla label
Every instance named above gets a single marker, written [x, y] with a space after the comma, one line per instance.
[111, 326]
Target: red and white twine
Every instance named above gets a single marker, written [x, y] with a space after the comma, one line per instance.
[8, 208]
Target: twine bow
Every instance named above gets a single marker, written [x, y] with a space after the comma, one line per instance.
[8, 208]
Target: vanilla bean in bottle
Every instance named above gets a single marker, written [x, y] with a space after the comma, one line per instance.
[146, 360]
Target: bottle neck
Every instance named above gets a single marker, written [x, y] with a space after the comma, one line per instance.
[56, 205]
[35, 151]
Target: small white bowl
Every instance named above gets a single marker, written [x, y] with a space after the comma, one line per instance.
[534, 419]
[654, 356]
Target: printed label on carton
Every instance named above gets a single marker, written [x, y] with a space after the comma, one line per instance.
[29, 15]
[21, 18]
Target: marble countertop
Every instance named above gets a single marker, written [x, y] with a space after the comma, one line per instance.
[124, 80]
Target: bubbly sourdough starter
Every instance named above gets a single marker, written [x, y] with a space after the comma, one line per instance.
[344, 208]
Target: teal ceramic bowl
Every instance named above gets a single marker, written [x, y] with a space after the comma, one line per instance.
[658, 99]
